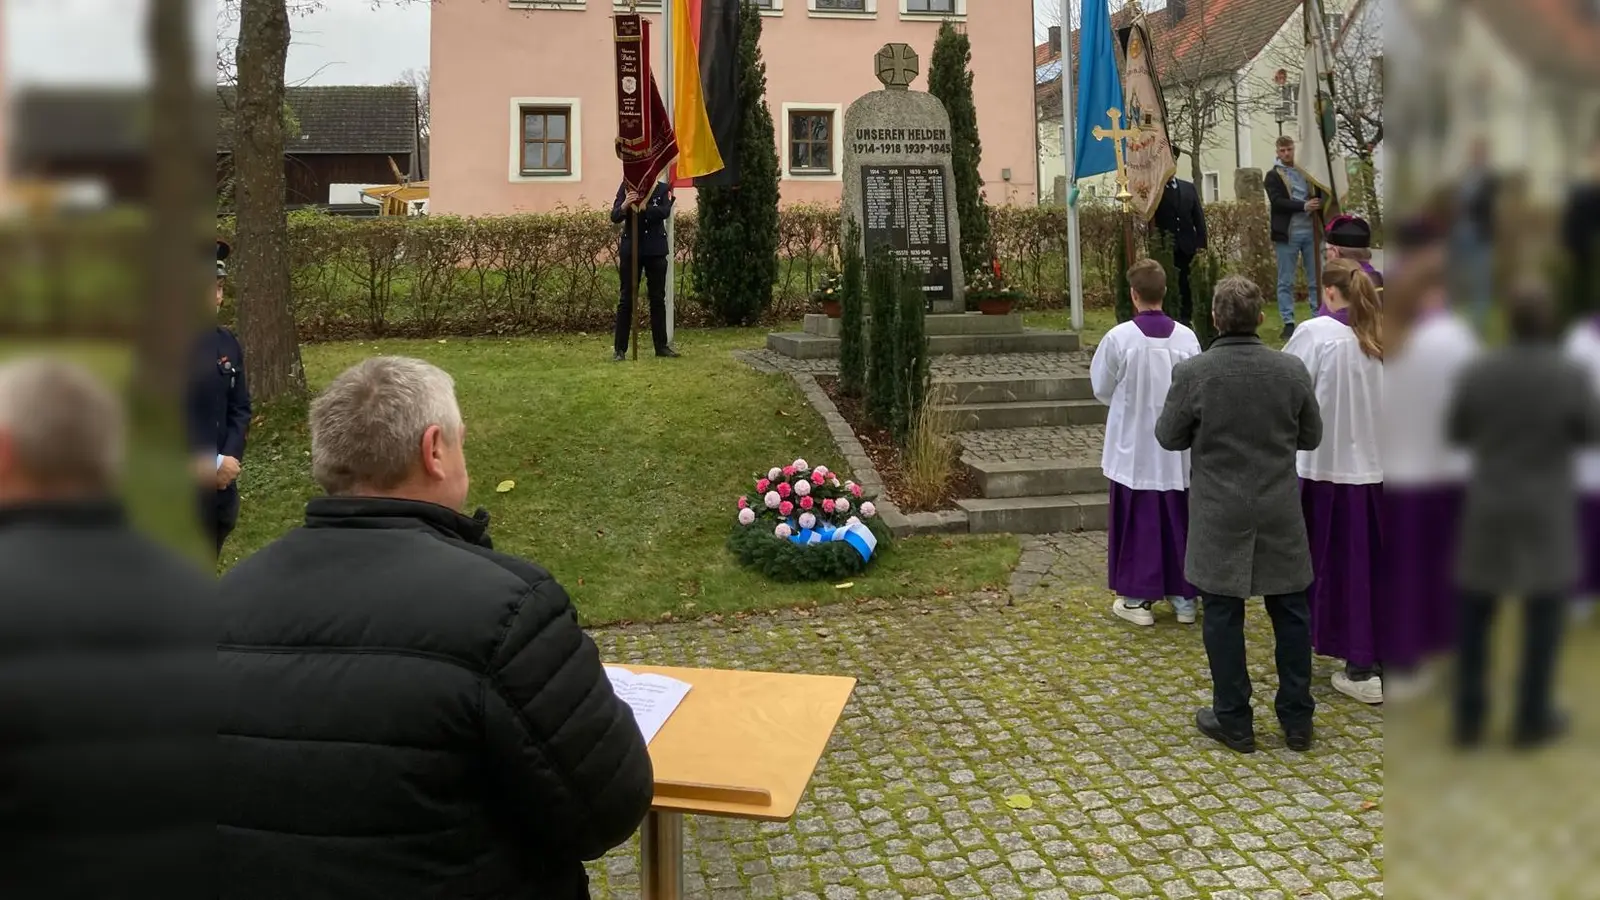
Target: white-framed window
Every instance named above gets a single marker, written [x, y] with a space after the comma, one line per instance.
[934, 9]
[579, 5]
[1211, 187]
[545, 139]
[770, 7]
[1210, 110]
[644, 5]
[813, 141]
[842, 8]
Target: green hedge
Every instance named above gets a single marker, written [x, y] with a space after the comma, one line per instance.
[542, 272]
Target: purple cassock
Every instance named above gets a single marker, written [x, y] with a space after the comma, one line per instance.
[1589, 521]
[1417, 599]
[1344, 525]
[1149, 530]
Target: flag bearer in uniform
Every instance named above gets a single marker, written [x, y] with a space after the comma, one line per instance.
[1342, 480]
[1131, 372]
[1427, 346]
[219, 420]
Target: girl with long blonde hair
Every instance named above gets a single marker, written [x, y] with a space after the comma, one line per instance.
[1342, 480]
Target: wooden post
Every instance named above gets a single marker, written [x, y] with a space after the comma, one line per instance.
[633, 273]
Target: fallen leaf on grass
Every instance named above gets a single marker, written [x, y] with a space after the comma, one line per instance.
[1368, 804]
[783, 414]
[505, 487]
[844, 587]
[1019, 801]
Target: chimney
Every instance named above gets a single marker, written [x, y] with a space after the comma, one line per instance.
[1176, 10]
[1055, 40]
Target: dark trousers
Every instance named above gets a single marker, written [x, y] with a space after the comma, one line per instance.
[653, 270]
[1542, 621]
[219, 513]
[1183, 262]
[1223, 631]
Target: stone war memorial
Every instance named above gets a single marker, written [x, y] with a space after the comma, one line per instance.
[899, 181]
[899, 188]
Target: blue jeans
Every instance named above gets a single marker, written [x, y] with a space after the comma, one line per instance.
[1301, 248]
[1472, 267]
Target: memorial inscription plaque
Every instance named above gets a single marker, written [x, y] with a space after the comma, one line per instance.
[905, 209]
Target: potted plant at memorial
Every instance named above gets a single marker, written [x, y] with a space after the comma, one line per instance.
[988, 293]
[806, 524]
[829, 295]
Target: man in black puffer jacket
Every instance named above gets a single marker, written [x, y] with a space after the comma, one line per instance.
[407, 713]
[106, 732]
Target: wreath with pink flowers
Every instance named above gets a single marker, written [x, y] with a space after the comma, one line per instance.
[805, 524]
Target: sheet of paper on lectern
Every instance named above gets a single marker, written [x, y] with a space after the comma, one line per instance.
[653, 698]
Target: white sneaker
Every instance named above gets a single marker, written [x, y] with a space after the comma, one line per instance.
[1400, 688]
[1369, 691]
[1185, 608]
[1139, 613]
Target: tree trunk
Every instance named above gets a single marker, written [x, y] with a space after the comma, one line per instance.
[175, 278]
[266, 315]
[1194, 156]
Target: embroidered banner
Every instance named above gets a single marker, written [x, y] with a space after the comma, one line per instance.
[645, 142]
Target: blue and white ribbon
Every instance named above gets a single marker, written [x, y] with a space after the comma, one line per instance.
[858, 536]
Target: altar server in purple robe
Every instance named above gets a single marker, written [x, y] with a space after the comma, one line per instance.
[1583, 345]
[1342, 480]
[1427, 347]
[1131, 372]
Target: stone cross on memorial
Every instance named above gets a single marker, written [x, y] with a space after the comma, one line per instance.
[899, 183]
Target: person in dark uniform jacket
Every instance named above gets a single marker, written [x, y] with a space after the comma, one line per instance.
[219, 421]
[653, 251]
[1182, 217]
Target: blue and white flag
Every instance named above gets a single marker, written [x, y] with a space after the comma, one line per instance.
[1099, 90]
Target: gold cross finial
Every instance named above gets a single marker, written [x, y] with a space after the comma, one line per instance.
[1117, 134]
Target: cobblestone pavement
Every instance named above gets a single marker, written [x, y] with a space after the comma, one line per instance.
[1077, 444]
[1039, 365]
[1030, 747]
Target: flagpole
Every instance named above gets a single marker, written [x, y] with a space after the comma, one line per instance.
[672, 213]
[1069, 143]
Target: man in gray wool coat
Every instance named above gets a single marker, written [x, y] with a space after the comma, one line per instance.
[1523, 412]
[1243, 410]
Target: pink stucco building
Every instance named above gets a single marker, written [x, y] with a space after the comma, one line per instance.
[524, 104]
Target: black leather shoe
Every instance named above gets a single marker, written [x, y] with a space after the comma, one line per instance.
[1297, 739]
[1288, 331]
[1206, 721]
[668, 353]
[619, 357]
[1551, 731]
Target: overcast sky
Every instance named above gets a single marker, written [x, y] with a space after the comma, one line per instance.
[101, 41]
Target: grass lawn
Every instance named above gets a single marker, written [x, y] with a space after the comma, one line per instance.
[625, 473]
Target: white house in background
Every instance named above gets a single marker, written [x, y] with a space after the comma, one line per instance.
[1234, 63]
[1526, 78]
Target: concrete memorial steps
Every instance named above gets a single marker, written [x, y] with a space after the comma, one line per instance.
[1025, 414]
[952, 334]
[1037, 515]
[1036, 480]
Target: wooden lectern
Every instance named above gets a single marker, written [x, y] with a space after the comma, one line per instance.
[742, 745]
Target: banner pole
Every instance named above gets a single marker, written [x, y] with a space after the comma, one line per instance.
[633, 273]
[672, 214]
[1069, 138]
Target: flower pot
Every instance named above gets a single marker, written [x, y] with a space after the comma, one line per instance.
[833, 309]
[996, 306]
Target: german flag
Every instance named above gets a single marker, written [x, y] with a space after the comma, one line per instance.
[705, 88]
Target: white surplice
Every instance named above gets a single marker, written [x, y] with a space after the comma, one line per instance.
[1419, 381]
[1349, 388]
[1583, 345]
[1131, 374]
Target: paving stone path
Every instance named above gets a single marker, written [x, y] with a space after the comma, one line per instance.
[1035, 692]
[999, 364]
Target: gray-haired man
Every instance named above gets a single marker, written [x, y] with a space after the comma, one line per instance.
[1244, 410]
[408, 713]
[105, 658]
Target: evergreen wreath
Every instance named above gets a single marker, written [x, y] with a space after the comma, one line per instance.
[796, 527]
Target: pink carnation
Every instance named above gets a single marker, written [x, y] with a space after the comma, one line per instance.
[784, 489]
[744, 502]
[785, 509]
[817, 477]
[788, 471]
[761, 485]
[855, 489]
[827, 506]
[806, 503]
